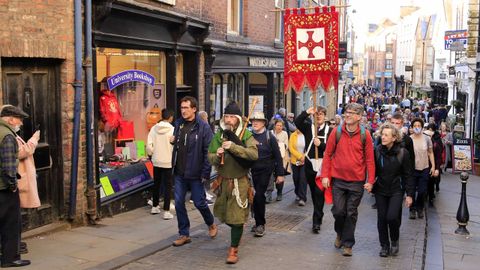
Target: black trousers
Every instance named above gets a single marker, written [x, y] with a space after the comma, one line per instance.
[300, 182]
[162, 176]
[261, 178]
[389, 211]
[432, 182]
[318, 198]
[9, 225]
[346, 199]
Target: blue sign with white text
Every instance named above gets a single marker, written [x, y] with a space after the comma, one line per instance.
[128, 76]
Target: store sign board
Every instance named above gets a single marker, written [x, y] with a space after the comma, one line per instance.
[462, 155]
[456, 40]
[262, 62]
[128, 76]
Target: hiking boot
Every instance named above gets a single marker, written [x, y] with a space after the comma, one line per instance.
[384, 251]
[301, 203]
[232, 257]
[279, 197]
[182, 240]
[167, 215]
[394, 249]
[212, 230]
[420, 214]
[347, 252]
[413, 214]
[316, 229]
[155, 210]
[338, 242]
[260, 231]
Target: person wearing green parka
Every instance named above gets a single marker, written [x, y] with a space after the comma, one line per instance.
[238, 155]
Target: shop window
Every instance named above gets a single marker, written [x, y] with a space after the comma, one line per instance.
[279, 4]
[388, 64]
[179, 73]
[131, 86]
[234, 17]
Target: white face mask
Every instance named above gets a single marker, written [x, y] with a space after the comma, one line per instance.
[417, 130]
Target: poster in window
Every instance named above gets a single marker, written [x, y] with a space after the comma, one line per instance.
[258, 106]
[462, 155]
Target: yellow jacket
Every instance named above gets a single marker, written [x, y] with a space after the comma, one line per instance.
[292, 147]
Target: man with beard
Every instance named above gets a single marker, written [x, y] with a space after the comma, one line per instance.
[232, 151]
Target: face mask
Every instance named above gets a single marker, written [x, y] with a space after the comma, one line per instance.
[417, 130]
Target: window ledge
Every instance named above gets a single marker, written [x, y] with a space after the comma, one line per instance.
[237, 39]
[277, 44]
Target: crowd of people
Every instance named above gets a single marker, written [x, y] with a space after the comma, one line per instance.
[394, 148]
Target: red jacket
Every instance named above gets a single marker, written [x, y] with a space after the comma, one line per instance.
[349, 162]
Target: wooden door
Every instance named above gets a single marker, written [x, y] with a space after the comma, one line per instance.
[33, 86]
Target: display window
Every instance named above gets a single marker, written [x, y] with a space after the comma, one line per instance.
[131, 85]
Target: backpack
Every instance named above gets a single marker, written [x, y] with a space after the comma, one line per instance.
[363, 137]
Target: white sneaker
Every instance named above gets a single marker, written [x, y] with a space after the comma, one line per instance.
[209, 196]
[155, 210]
[167, 215]
[150, 202]
[172, 205]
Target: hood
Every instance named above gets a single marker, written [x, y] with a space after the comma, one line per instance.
[162, 127]
[239, 128]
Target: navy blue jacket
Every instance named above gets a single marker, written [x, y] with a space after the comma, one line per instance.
[198, 140]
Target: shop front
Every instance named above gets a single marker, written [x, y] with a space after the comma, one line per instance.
[145, 60]
[242, 75]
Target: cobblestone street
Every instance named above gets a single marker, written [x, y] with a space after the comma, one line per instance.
[290, 244]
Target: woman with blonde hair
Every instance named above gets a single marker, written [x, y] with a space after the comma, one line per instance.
[392, 164]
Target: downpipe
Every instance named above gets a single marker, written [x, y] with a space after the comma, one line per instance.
[90, 192]
[77, 84]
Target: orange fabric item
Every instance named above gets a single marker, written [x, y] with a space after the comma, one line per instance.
[327, 193]
[153, 116]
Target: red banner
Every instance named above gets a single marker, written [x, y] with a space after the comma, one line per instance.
[311, 49]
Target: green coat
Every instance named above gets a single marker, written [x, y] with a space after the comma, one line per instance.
[226, 208]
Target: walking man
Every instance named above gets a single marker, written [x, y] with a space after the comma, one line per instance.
[237, 148]
[11, 119]
[347, 161]
[191, 167]
[314, 140]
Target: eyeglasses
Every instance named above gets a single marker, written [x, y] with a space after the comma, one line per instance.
[350, 113]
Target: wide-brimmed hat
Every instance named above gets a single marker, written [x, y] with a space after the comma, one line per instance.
[10, 110]
[258, 116]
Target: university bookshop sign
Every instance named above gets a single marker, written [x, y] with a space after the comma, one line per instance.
[128, 76]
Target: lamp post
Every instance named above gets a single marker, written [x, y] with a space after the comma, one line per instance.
[462, 212]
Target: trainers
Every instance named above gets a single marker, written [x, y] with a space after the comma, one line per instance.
[316, 229]
[384, 251]
[212, 230]
[279, 197]
[297, 198]
[150, 202]
[301, 203]
[167, 215]
[253, 228]
[182, 240]
[260, 231]
[347, 252]
[268, 198]
[155, 210]
[338, 242]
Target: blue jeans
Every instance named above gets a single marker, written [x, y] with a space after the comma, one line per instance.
[421, 183]
[199, 200]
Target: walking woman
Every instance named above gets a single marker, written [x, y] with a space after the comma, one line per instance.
[392, 164]
[297, 159]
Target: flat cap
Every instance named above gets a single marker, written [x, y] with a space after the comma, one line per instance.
[10, 110]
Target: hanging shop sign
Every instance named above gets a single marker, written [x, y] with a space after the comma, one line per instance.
[310, 48]
[262, 62]
[456, 40]
[462, 155]
[128, 76]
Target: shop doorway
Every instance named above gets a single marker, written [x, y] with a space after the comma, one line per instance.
[33, 85]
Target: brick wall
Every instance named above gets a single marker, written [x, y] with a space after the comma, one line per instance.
[44, 29]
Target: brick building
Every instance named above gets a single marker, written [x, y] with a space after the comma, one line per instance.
[37, 72]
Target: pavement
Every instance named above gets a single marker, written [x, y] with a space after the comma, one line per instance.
[138, 240]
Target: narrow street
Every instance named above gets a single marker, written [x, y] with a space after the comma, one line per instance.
[290, 244]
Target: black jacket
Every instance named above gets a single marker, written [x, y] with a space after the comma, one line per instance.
[305, 127]
[407, 143]
[268, 154]
[391, 166]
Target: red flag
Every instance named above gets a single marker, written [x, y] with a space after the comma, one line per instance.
[310, 48]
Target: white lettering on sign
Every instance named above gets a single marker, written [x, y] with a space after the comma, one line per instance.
[262, 62]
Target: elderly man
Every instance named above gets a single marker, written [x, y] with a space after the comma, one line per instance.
[10, 225]
[232, 151]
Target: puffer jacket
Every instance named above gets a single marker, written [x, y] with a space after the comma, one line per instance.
[159, 146]
[391, 165]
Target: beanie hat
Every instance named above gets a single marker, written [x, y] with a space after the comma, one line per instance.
[232, 108]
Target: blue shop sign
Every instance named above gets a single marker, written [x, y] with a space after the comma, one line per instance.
[128, 76]
[387, 74]
[378, 74]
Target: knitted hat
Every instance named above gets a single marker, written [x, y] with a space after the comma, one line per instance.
[232, 108]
